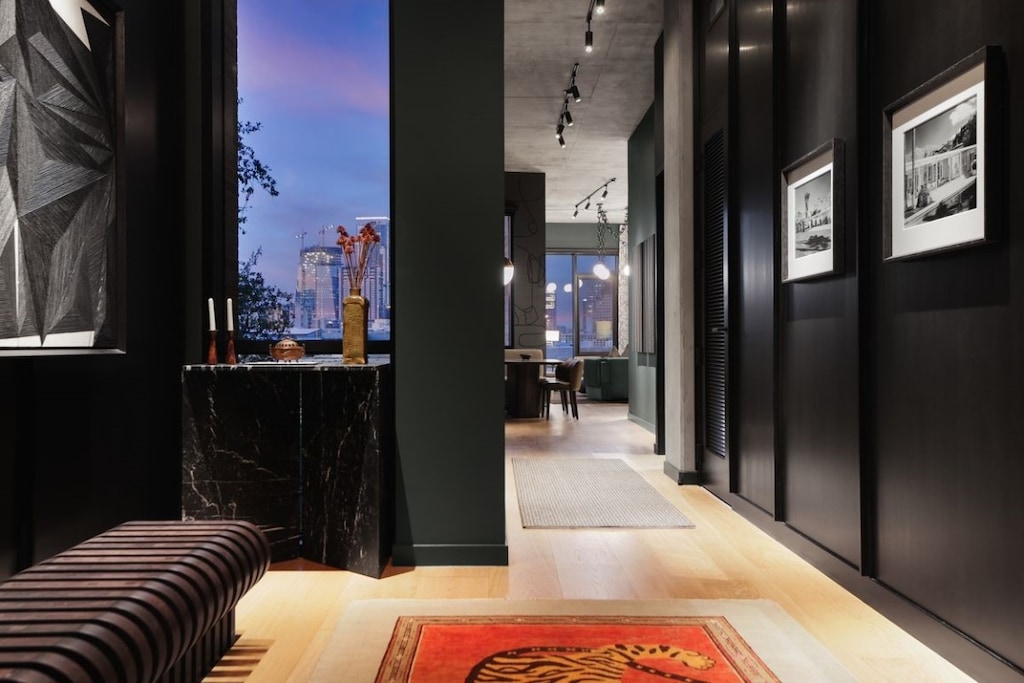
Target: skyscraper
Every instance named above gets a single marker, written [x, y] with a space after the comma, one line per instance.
[377, 285]
[317, 302]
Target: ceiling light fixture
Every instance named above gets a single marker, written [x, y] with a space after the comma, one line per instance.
[598, 7]
[586, 200]
[564, 117]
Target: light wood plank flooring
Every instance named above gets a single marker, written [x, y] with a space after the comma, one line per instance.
[287, 618]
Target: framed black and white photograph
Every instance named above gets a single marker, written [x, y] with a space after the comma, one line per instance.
[812, 214]
[937, 142]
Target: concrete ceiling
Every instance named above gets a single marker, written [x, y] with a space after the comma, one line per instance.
[543, 39]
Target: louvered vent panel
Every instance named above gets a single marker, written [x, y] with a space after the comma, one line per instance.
[715, 342]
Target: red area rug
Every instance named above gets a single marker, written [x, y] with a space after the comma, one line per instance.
[454, 641]
[433, 649]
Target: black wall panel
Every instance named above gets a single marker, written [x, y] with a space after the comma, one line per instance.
[712, 110]
[946, 356]
[99, 436]
[818, 327]
[752, 271]
[714, 61]
[9, 400]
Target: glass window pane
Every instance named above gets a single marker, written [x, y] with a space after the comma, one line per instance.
[314, 153]
[597, 302]
[558, 306]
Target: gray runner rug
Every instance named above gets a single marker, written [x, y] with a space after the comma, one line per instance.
[557, 493]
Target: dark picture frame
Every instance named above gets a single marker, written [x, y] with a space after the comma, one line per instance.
[812, 216]
[715, 10]
[62, 245]
[939, 161]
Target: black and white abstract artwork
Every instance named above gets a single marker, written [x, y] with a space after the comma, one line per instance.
[59, 114]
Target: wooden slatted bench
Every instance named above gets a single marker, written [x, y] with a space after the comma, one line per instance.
[145, 601]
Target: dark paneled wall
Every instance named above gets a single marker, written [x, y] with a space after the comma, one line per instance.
[712, 113]
[818, 326]
[945, 358]
[10, 398]
[448, 198]
[897, 448]
[524, 196]
[752, 272]
[100, 435]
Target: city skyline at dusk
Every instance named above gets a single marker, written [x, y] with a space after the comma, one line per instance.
[315, 75]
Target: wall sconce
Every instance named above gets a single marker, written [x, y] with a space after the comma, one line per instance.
[509, 270]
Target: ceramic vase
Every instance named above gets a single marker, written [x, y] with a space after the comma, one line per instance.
[353, 336]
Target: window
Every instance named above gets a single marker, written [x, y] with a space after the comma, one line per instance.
[314, 153]
[580, 307]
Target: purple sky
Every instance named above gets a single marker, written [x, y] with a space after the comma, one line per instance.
[315, 74]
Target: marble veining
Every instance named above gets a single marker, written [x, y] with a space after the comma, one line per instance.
[297, 449]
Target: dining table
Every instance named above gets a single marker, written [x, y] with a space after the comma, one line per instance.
[522, 385]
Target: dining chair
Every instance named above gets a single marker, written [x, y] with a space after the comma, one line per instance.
[567, 380]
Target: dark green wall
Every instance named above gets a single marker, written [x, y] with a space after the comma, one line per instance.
[582, 235]
[642, 225]
[448, 199]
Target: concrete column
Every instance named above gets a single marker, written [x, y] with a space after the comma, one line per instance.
[678, 353]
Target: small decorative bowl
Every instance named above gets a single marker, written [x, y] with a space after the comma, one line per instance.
[287, 349]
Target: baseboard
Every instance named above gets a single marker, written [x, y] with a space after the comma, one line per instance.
[424, 555]
[642, 422]
[970, 657]
[688, 477]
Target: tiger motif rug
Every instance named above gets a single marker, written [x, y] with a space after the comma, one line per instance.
[569, 649]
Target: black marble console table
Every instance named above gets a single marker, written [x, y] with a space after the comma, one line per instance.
[300, 449]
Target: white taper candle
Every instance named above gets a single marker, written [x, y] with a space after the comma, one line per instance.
[213, 320]
[231, 316]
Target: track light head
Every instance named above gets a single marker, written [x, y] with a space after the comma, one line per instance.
[605, 193]
[575, 92]
[567, 117]
[558, 130]
[588, 43]
[576, 212]
[599, 6]
[561, 140]
[587, 206]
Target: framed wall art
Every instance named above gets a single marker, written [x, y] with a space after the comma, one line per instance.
[937, 172]
[62, 284]
[812, 214]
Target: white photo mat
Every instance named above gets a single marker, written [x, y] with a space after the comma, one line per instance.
[812, 192]
[937, 193]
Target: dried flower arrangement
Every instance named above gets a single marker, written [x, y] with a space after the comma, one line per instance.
[356, 250]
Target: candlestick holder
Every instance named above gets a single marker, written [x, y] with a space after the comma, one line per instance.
[231, 358]
[211, 353]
